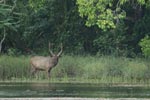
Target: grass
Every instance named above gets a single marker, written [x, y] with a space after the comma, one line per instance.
[87, 69]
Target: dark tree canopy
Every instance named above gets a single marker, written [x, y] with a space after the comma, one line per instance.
[83, 26]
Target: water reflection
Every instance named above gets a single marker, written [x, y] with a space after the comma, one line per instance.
[71, 90]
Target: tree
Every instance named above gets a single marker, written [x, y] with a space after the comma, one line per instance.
[6, 12]
[106, 13]
[7, 19]
[145, 46]
[1, 42]
[105, 26]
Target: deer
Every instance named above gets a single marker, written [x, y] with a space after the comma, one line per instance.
[45, 63]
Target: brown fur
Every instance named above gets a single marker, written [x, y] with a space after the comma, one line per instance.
[41, 63]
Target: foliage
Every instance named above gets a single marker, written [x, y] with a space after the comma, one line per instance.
[112, 42]
[9, 21]
[7, 16]
[76, 68]
[36, 4]
[104, 13]
[115, 26]
[136, 70]
[145, 44]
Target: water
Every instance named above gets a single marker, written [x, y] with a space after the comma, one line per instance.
[72, 90]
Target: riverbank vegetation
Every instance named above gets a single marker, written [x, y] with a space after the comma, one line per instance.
[109, 41]
[95, 69]
[105, 27]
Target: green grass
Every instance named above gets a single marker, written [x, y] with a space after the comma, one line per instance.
[87, 69]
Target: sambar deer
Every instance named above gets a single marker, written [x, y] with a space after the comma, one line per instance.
[42, 63]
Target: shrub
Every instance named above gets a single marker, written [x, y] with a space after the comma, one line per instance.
[145, 46]
[135, 70]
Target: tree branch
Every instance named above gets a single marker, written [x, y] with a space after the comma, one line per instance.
[1, 42]
[13, 7]
[1, 1]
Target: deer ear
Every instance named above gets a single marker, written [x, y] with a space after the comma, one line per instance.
[51, 55]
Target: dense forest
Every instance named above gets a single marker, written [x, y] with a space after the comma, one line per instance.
[97, 27]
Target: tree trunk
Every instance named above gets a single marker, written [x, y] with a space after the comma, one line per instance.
[1, 42]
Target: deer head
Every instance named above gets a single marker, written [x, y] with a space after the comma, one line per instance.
[55, 55]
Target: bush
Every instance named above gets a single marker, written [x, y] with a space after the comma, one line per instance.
[145, 46]
[136, 70]
[14, 67]
[104, 68]
[69, 66]
[94, 68]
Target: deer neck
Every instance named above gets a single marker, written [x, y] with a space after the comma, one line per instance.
[54, 61]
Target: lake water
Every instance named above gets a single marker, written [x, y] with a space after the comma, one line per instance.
[72, 90]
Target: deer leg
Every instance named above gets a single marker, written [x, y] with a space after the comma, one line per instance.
[48, 72]
[33, 71]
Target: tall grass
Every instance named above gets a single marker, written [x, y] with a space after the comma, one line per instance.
[14, 67]
[104, 69]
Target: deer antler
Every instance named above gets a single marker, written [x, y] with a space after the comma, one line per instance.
[50, 49]
[61, 46]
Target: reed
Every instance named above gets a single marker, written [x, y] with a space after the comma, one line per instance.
[104, 69]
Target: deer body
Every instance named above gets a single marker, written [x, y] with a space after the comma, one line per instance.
[41, 63]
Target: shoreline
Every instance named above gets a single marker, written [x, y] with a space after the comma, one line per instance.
[69, 98]
[86, 83]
